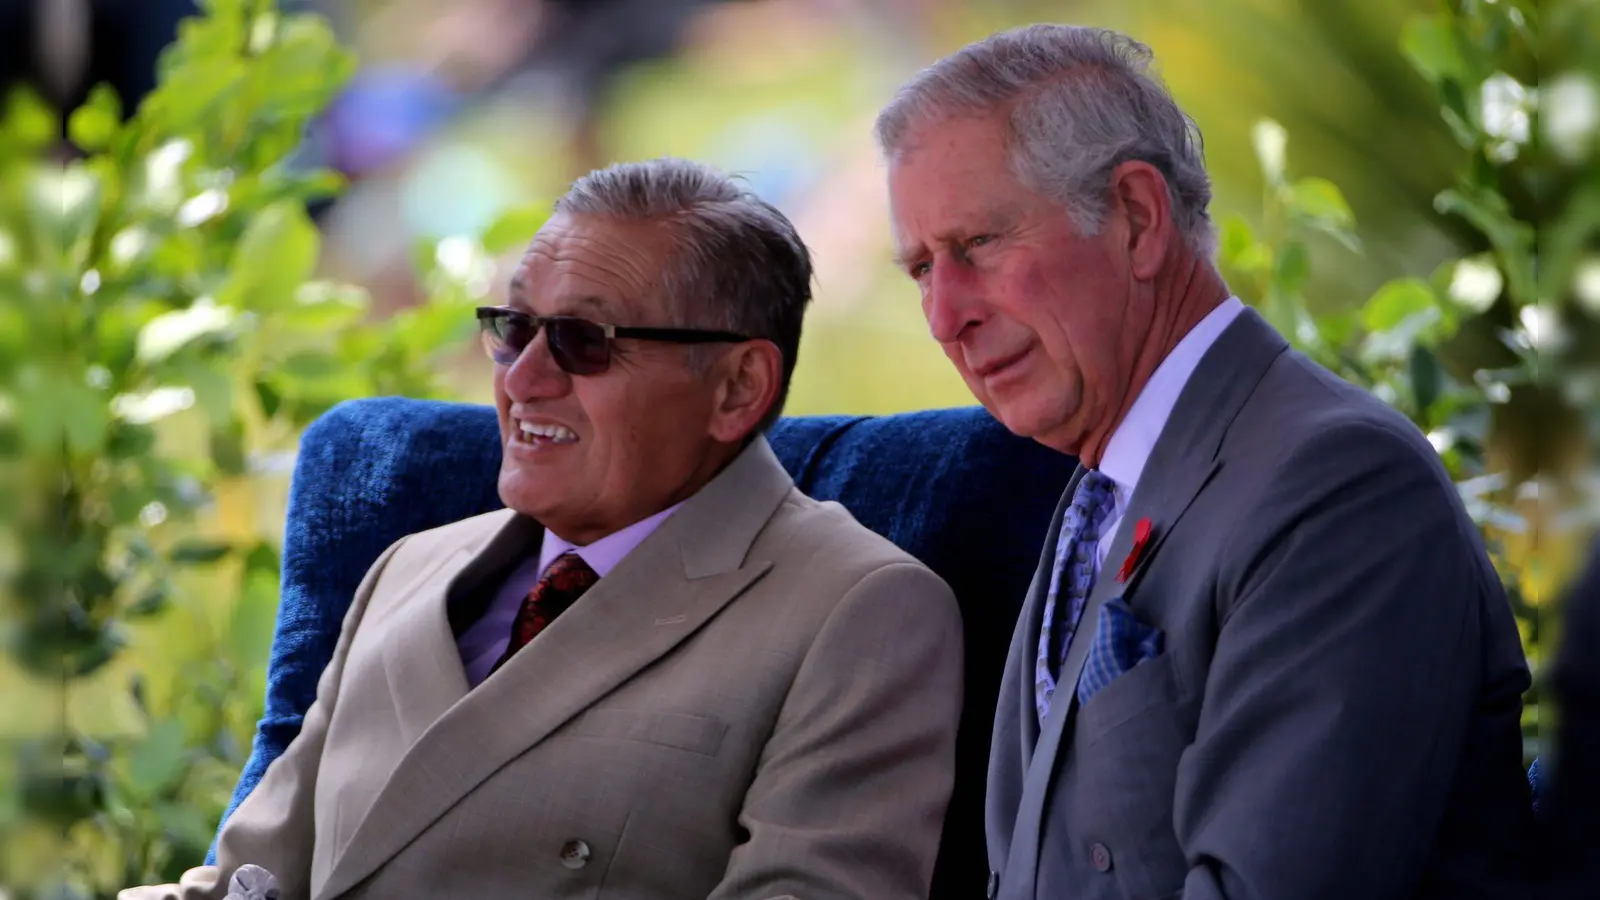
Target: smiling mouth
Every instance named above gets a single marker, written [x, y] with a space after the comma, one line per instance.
[530, 433]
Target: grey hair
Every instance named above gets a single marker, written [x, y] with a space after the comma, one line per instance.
[1080, 101]
[738, 264]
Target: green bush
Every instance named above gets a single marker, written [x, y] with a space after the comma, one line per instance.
[1493, 354]
[163, 335]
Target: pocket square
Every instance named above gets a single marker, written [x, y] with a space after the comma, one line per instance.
[1121, 642]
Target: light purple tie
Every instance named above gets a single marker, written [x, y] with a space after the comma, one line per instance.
[1071, 579]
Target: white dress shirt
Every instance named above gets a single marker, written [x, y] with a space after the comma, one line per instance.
[1130, 445]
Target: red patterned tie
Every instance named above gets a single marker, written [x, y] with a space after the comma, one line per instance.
[561, 585]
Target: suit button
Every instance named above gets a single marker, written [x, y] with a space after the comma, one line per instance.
[1100, 856]
[994, 885]
[575, 854]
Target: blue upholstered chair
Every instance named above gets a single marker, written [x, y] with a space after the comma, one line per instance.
[952, 487]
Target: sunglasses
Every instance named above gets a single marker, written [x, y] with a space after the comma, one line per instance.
[579, 346]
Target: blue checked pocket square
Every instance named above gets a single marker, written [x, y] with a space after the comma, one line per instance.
[1121, 642]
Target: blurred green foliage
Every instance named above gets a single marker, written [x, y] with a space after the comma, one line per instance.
[1491, 354]
[164, 338]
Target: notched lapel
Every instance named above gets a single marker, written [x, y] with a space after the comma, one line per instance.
[420, 657]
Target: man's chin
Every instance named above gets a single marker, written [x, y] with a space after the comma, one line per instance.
[519, 492]
[1046, 426]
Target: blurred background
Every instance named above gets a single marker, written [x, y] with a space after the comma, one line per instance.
[465, 109]
[1332, 130]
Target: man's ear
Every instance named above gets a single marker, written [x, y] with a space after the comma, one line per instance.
[1139, 197]
[748, 377]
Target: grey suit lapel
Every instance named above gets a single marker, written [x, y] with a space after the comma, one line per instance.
[1182, 462]
[663, 591]
[1017, 720]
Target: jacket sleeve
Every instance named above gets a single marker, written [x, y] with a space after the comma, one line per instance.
[1362, 639]
[274, 827]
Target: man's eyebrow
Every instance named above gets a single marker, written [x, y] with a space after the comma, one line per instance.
[588, 301]
[905, 256]
[517, 295]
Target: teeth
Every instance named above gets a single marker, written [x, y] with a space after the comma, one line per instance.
[557, 433]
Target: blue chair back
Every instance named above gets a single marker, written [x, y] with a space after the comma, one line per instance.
[951, 487]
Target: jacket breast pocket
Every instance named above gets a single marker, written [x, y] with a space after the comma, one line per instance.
[1152, 683]
[1127, 743]
[682, 731]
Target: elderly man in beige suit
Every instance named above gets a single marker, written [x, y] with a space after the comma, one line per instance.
[755, 697]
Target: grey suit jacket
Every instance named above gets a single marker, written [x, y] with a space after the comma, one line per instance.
[760, 701]
[1336, 710]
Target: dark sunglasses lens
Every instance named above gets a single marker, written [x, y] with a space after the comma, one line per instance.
[506, 335]
[578, 345]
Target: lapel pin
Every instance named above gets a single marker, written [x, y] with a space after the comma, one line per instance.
[1141, 537]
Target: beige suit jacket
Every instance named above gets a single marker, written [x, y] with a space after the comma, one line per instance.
[760, 701]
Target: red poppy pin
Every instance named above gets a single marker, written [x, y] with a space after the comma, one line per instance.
[1141, 537]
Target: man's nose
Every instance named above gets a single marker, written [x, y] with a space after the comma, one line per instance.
[951, 303]
[535, 373]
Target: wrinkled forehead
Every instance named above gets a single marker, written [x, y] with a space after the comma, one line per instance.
[598, 268]
[952, 178]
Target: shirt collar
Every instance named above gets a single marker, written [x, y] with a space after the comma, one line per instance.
[1130, 445]
[603, 555]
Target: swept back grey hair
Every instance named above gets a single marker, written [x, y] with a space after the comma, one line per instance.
[1080, 101]
[737, 263]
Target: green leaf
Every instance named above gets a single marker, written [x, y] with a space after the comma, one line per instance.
[322, 307]
[152, 601]
[1256, 258]
[515, 228]
[1236, 237]
[1429, 42]
[254, 618]
[213, 389]
[163, 336]
[1321, 199]
[183, 824]
[199, 551]
[1513, 239]
[1292, 268]
[1395, 302]
[1426, 378]
[311, 365]
[129, 440]
[302, 68]
[93, 125]
[276, 254]
[268, 397]
[1338, 329]
[61, 408]
[227, 448]
[157, 760]
[1458, 116]
[29, 123]
[263, 558]
[190, 93]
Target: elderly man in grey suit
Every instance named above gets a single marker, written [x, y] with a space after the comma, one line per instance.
[1265, 655]
[662, 673]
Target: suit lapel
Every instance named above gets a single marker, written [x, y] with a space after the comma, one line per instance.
[420, 655]
[662, 592]
[1182, 463]
[1022, 853]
